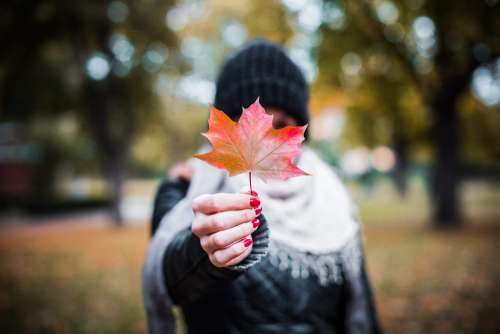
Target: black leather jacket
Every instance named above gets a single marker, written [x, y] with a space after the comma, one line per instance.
[257, 297]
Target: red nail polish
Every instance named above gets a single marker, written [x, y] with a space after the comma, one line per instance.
[253, 193]
[258, 211]
[254, 202]
[247, 242]
[255, 223]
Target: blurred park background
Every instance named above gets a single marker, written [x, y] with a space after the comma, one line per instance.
[99, 98]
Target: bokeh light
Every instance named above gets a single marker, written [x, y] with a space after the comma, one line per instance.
[303, 58]
[310, 16]
[333, 16]
[155, 57]
[383, 159]
[117, 11]
[233, 34]
[97, 66]
[351, 63]
[387, 12]
[424, 32]
[196, 89]
[184, 13]
[356, 161]
[486, 84]
[295, 5]
[122, 48]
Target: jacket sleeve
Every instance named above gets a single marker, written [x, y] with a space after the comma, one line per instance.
[189, 273]
[169, 193]
[361, 316]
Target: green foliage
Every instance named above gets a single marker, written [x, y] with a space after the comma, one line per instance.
[390, 82]
[92, 63]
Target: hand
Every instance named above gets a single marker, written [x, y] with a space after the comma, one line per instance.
[224, 223]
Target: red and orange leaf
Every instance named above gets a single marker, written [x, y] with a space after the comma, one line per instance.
[253, 145]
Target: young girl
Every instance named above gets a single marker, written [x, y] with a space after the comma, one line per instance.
[287, 258]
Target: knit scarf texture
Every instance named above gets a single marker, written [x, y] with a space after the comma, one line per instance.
[310, 213]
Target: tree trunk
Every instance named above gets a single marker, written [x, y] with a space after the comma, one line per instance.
[112, 126]
[116, 177]
[400, 174]
[445, 174]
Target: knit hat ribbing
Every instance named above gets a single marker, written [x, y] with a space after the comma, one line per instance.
[262, 69]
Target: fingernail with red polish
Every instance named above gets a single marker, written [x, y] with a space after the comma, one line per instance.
[258, 211]
[247, 242]
[255, 223]
[254, 202]
[253, 193]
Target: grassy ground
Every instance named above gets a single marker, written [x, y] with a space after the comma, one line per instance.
[85, 277]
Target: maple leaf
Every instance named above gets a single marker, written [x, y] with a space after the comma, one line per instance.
[253, 145]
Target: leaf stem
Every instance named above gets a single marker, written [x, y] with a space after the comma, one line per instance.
[250, 179]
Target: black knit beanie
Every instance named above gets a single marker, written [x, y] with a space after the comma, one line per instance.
[262, 69]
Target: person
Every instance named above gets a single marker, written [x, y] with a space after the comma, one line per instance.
[287, 258]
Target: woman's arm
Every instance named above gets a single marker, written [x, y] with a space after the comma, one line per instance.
[187, 268]
[169, 193]
[361, 315]
[189, 273]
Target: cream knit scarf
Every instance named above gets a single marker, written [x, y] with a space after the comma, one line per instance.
[310, 218]
[309, 213]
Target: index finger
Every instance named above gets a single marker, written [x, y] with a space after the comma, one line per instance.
[212, 203]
